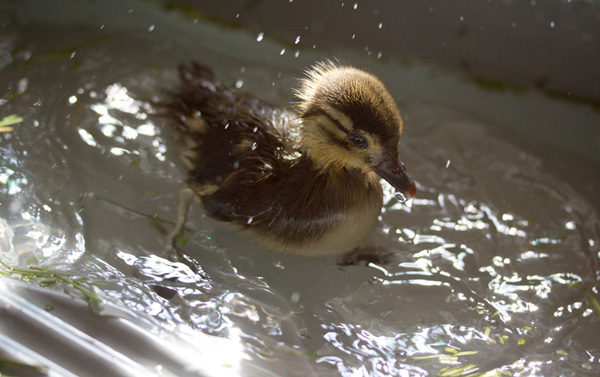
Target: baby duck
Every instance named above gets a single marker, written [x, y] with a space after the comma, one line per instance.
[305, 182]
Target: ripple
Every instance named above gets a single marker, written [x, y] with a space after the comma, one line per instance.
[491, 267]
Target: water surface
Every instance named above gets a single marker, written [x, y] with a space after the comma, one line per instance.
[494, 267]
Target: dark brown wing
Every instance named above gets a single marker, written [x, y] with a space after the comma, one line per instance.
[225, 130]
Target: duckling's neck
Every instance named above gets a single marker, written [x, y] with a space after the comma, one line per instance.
[324, 163]
[340, 175]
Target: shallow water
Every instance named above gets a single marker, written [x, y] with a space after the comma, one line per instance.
[496, 257]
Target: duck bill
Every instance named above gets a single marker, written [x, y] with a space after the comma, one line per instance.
[395, 173]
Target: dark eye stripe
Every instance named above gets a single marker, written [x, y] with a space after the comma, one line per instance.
[334, 139]
[337, 123]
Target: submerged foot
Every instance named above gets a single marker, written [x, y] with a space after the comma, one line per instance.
[186, 195]
[366, 254]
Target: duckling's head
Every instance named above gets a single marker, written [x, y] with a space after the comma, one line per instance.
[351, 121]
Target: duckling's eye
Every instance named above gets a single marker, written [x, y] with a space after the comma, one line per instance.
[358, 140]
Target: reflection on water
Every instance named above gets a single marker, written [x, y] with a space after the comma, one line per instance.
[493, 267]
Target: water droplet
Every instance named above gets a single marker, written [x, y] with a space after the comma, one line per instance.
[295, 298]
[379, 55]
[297, 53]
[297, 40]
[260, 37]
[227, 125]
[72, 99]
[552, 24]
[254, 145]
[355, 5]
[447, 163]
[236, 164]
[250, 219]
[400, 197]
[151, 28]
[380, 25]
[255, 129]
[239, 83]
[282, 51]
[353, 36]
[22, 85]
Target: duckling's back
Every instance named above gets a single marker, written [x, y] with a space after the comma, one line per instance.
[224, 130]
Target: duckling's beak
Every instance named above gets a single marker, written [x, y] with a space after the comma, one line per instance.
[395, 173]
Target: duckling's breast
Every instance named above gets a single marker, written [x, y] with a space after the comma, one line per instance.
[300, 209]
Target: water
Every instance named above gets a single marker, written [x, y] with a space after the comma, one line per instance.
[491, 268]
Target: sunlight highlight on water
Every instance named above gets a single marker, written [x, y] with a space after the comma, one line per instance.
[493, 267]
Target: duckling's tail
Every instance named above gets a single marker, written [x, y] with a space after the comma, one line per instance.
[196, 74]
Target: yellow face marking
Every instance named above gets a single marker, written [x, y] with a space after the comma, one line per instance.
[329, 146]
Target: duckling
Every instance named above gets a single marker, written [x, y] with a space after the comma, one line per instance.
[305, 181]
